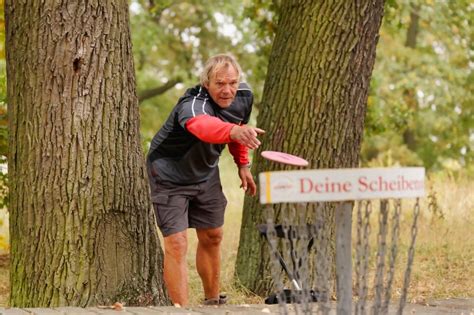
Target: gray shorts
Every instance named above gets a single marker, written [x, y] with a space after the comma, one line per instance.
[178, 207]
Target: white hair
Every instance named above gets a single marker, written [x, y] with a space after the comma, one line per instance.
[217, 62]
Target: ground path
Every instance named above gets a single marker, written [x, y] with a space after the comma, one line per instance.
[449, 306]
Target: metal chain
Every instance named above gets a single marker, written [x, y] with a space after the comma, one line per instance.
[294, 251]
[411, 254]
[393, 253]
[358, 253]
[291, 239]
[275, 266]
[315, 228]
[322, 258]
[382, 243]
[289, 250]
[364, 255]
[297, 238]
[304, 237]
[294, 244]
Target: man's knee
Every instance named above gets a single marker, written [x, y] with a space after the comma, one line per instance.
[176, 245]
[210, 237]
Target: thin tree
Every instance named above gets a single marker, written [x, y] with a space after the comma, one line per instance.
[81, 226]
[314, 103]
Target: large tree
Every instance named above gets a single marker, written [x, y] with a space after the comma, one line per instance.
[81, 226]
[314, 102]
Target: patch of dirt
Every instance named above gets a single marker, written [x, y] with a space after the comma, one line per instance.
[4, 279]
[4, 260]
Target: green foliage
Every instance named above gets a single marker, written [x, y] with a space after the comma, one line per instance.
[421, 101]
[169, 44]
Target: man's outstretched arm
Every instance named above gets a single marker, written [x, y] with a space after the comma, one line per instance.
[213, 130]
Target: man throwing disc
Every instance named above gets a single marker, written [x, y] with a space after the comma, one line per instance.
[184, 176]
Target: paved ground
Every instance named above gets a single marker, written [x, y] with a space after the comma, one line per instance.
[449, 306]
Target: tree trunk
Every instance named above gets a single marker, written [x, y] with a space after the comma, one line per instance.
[81, 225]
[409, 95]
[314, 103]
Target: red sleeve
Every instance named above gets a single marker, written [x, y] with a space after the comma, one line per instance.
[240, 153]
[210, 129]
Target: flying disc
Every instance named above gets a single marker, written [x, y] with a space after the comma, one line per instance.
[284, 158]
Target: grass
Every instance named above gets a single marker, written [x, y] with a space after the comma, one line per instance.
[444, 257]
[444, 250]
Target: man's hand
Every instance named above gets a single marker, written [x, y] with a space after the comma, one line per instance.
[246, 135]
[247, 182]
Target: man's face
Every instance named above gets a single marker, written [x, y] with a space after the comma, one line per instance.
[223, 86]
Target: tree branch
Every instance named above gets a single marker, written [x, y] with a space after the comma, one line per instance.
[156, 10]
[150, 93]
[413, 27]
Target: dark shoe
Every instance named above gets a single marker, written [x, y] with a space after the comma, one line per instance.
[216, 301]
[292, 297]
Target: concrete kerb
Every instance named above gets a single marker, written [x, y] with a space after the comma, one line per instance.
[454, 306]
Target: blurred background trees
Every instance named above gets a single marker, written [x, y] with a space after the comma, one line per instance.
[421, 108]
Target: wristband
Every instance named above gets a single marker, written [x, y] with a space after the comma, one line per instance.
[248, 165]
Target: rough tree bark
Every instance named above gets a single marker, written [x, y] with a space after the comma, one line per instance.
[314, 103]
[82, 229]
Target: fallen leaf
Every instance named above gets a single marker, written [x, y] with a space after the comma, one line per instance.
[117, 306]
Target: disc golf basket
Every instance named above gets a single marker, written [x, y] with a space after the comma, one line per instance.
[300, 241]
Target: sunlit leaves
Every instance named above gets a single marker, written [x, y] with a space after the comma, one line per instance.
[424, 92]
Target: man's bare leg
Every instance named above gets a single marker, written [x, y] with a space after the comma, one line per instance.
[208, 260]
[175, 267]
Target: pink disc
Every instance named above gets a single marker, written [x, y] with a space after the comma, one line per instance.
[285, 158]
